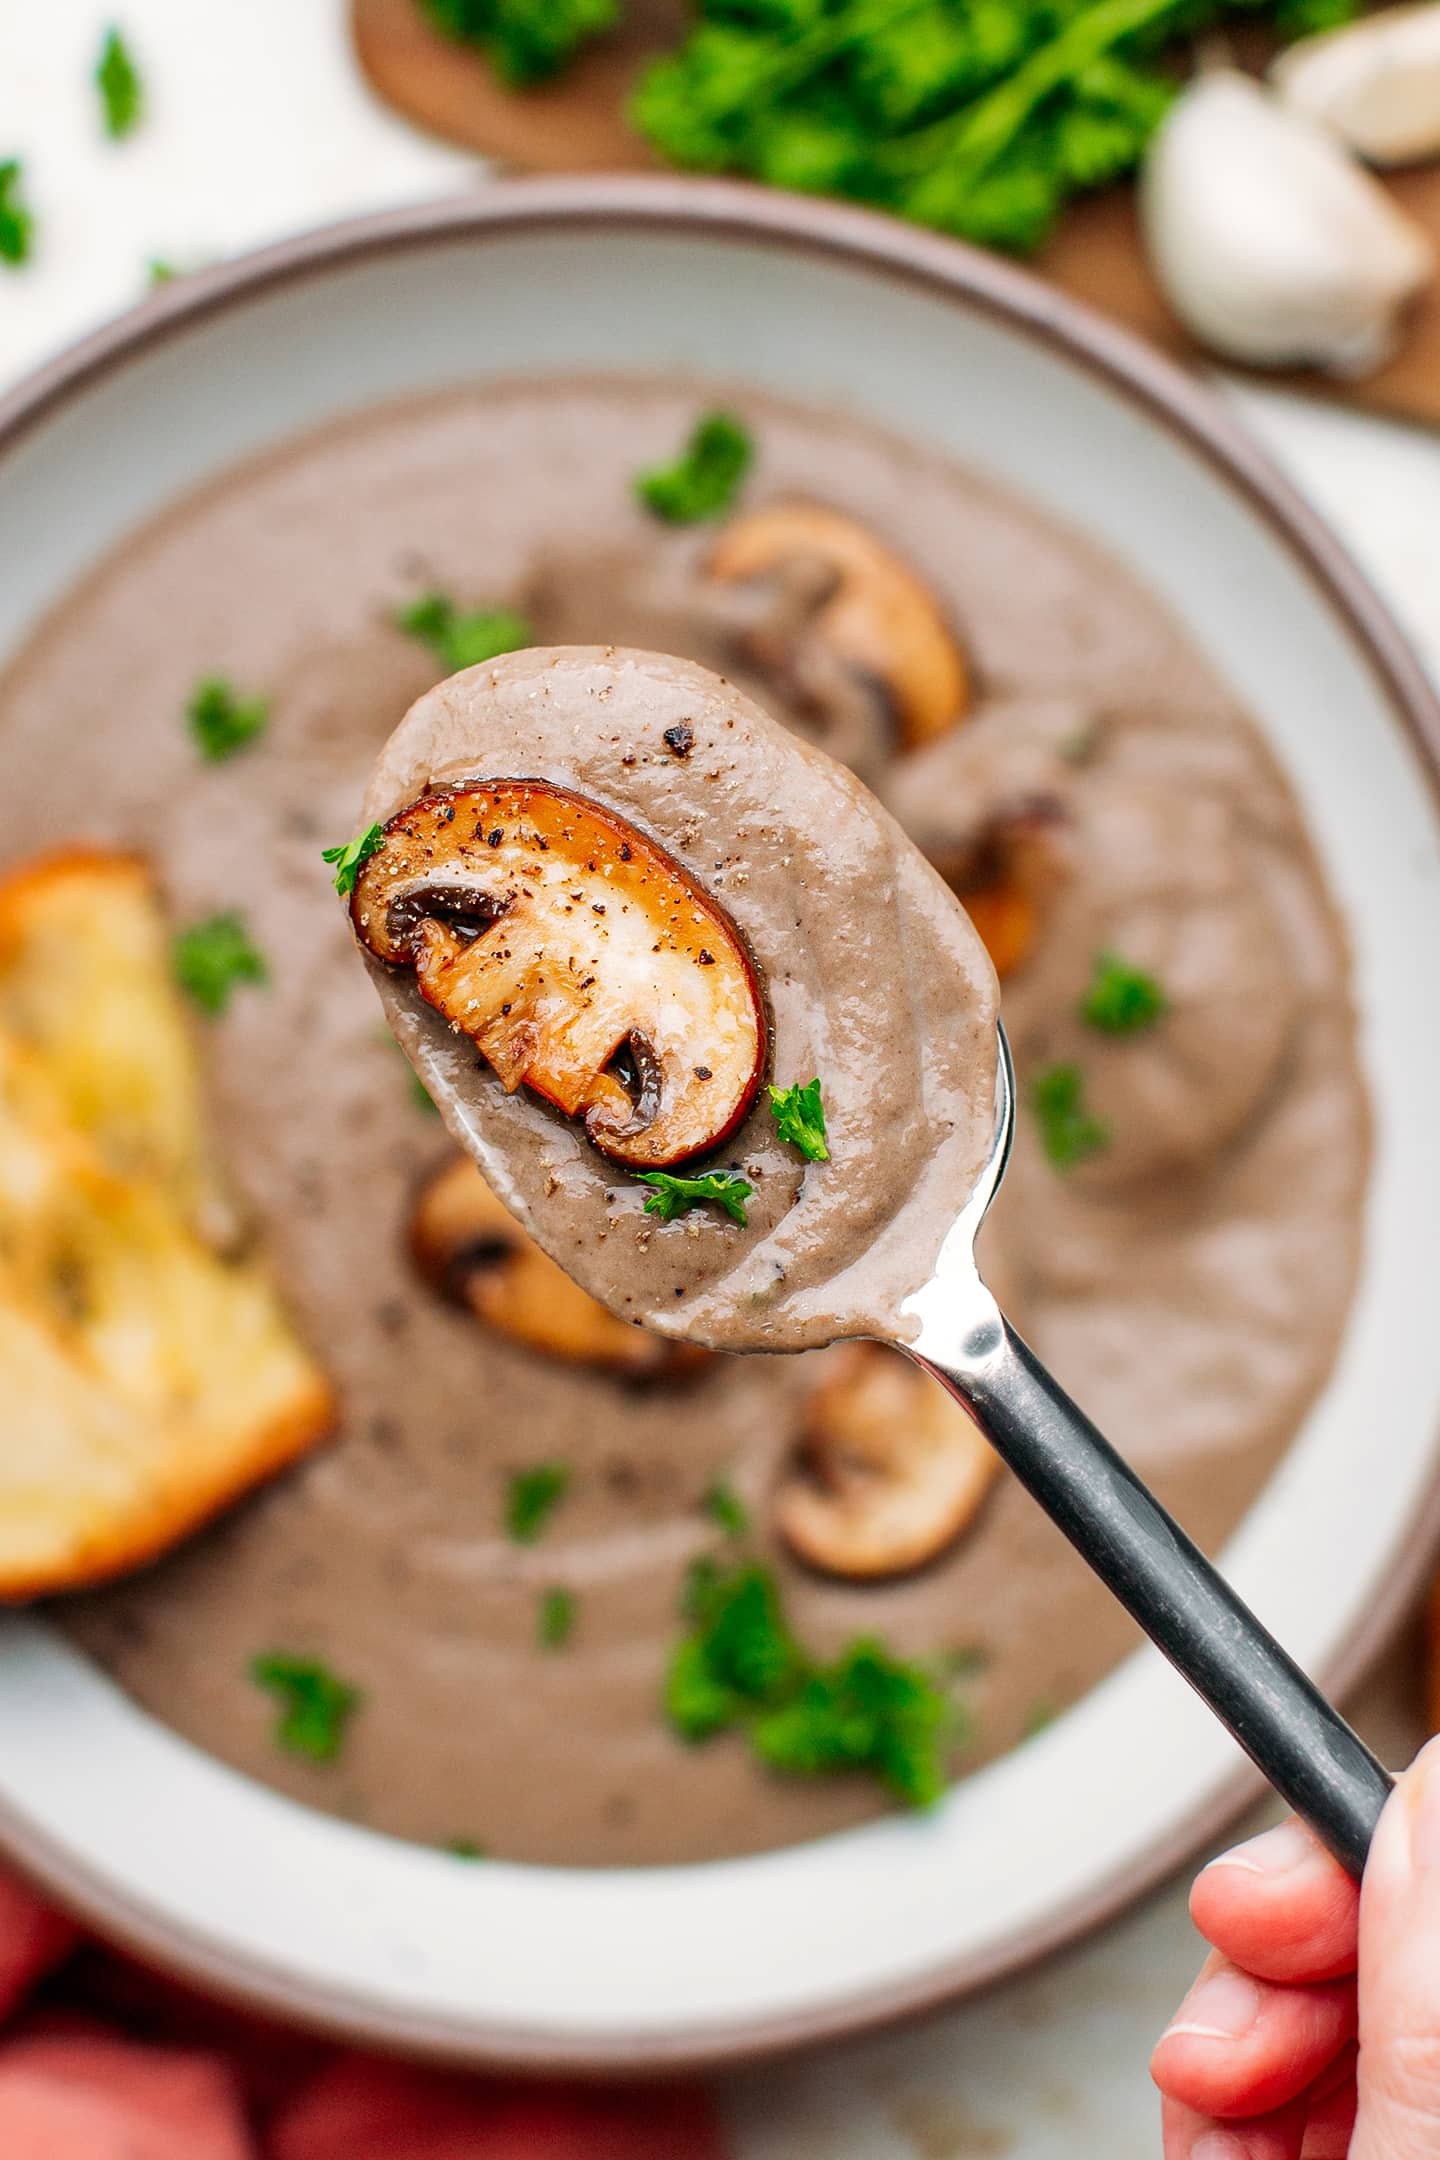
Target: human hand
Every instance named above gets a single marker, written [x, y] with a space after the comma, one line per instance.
[1313, 2030]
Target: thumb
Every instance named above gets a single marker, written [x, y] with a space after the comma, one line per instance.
[1399, 2071]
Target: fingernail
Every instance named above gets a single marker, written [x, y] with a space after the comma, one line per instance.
[1422, 1792]
[1218, 2145]
[1224, 2007]
[1274, 1852]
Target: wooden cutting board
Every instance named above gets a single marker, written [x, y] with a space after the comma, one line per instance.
[578, 125]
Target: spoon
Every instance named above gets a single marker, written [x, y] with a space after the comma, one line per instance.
[1315, 1762]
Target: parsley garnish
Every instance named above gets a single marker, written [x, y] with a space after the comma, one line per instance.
[555, 1618]
[315, 1706]
[800, 1118]
[462, 640]
[160, 272]
[525, 41]
[703, 481]
[532, 1497]
[17, 223]
[221, 721]
[350, 855]
[464, 1848]
[1122, 1000]
[740, 1655]
[673, 1195]
[212, 958]
[741, 1668]
[726, 1509]
[1067, 1131]
[122, 94]
[867, 1711]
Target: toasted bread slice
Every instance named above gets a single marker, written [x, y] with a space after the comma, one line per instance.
[149, 1374]
[86, 983]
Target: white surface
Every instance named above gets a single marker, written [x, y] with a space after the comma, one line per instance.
[257, 129]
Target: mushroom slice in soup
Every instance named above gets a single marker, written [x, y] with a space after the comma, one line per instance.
[848, 614]
[888, 1471]
[468, 1246]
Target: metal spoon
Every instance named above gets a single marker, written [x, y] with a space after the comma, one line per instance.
[1307, 1751]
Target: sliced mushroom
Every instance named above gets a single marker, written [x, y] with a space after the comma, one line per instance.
[470, 1248]
[888, 1471]
[1008, 878]
[845, 607]
[580, 958]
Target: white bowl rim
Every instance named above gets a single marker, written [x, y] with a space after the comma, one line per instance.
[1176, 403]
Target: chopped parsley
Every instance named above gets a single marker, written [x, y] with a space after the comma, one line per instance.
[673, 1195]
[464, 1848]
[525, 41]
[739, 1656]
[704, 480]
[315, 1706]
[221, 721]
[122, 93]
[555, 1618]
[460, 640]
[1068, 1133]
[158, 271]
[1122, 1000]
[726, 1509]
[211, 959]
[800, 1118]
[351, 855]
[17, 222]
[740, 1668]
[866, 1711]
[532, 1497]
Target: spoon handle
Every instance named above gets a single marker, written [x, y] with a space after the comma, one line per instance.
[1283, 1722]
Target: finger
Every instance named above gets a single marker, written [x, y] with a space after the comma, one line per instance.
[1280, 1907]
[1239, 2046]
[1330, 2110]
[1330, 2126]
[1399, 2073]
[1191, 2136]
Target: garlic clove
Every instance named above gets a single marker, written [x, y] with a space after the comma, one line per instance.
[1270, 242]
[1376, 83]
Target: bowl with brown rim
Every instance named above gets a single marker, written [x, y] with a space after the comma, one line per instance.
[243, 1891]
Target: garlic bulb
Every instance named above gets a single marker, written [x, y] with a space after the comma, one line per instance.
[1376, 83]
[1272, 245]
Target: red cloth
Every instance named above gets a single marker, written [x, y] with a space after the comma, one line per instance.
[73, 2088]
[32, 1941]
[361, 2109]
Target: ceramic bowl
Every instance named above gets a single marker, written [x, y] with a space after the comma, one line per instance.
[202, 1871]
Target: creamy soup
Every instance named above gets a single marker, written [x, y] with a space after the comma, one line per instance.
[1178, 1234]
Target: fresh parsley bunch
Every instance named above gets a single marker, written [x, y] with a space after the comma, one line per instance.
[978, 117]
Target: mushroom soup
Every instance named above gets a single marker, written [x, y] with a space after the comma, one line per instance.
[522, 1550]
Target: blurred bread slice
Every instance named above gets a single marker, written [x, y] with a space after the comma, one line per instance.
[86, 983]
[149, 1373]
